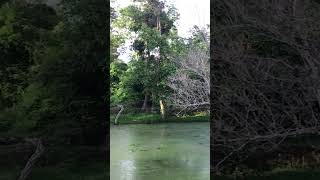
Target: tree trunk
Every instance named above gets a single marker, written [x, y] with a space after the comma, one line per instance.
[118, 115]
[35, 156]
[162, 110]
[144, 107]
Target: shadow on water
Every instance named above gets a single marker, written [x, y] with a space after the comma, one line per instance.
[160, 151]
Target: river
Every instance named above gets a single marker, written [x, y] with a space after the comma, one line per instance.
[171, 151]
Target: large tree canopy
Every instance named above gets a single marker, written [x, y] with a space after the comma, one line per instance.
[150, 25]
[53, 70]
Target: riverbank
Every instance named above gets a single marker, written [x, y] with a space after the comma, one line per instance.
[296, 158]
[66, 171]
[145, 118]
[72, 170]
[278, 174]
[62, 163]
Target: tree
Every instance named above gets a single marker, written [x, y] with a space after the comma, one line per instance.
[264, 76]
[21, 28]
[191, 82]
[151, 39]
[64, 99]
[117, 71]
[82, 60]
[53, 65]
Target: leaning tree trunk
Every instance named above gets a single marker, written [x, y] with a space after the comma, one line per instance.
[118, 115]
[32, 160]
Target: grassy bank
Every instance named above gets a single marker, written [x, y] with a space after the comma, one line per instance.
[144, 118]
[278, 174]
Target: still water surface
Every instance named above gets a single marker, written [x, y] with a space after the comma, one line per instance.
[172, 151]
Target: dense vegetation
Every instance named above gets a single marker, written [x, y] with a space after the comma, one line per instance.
[164, 80]
[53, 64]
[146, 83]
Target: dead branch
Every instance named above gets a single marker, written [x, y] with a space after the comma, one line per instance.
[265, 76]
[191, 83]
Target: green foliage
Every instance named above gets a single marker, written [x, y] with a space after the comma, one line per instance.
[52, 69]
[146, 74]
[70, 73]
[20, 29]
[117, 70]
[199, 39]
[131, 83]
[7, 120]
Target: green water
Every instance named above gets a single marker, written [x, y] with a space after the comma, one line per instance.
[172, 151]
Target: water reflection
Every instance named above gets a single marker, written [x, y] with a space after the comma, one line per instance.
[162, 151]
[127, 169]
